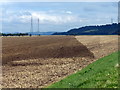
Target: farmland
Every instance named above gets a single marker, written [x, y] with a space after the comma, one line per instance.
[35, 62]
[100, 74]
[42, 47]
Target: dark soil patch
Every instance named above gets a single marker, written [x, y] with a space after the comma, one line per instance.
[20, 48]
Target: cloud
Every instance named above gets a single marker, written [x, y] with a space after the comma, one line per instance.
[69, 12]
[56, 16]
[57, 19]
[44, 17]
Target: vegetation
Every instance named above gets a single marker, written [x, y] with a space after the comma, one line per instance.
[100, 74]
[109, 29]
[14, 34]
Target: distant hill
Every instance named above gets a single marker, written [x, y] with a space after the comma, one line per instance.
[109, 29]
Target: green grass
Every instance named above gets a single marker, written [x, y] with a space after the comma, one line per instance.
[101, 74]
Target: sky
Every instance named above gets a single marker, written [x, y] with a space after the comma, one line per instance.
[55, 16]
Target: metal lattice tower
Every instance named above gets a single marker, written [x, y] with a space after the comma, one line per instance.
[38, 26]
[111, 20]
[119, 12]
[31, 29]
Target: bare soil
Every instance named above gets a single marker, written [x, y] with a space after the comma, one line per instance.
[21, 48]
[35, 62]
[100, 45]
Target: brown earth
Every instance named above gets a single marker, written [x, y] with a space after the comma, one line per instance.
[21, 48]
[99, 45]
[35, 62]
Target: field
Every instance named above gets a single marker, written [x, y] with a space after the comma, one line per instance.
[42, 47]
[100, 74]
[35, 62]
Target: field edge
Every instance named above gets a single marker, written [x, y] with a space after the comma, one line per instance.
[114, 55]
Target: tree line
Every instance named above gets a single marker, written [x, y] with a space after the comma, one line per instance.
[15, 34]
[108, 29]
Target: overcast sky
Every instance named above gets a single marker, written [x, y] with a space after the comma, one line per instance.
[60, 16]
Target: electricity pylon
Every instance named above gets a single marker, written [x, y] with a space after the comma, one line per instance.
[38, 25]
[31, 29]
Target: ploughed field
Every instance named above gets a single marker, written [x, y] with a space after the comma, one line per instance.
[38, 61]
[20, 48]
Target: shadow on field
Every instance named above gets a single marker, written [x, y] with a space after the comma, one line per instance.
[21, 48]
